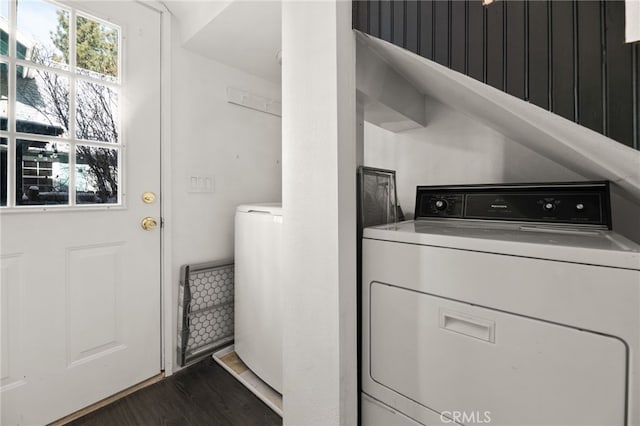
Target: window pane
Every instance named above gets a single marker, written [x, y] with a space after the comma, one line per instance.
[96, 175]
[4, 95]
[96, 112]
[43, 33]
[4, 27]
[96, 49]
[3, 171]
[42, 173]
[42, 105]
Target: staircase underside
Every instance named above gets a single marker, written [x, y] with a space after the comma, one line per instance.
[584, 151]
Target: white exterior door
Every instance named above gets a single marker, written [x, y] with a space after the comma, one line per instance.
[80, 294]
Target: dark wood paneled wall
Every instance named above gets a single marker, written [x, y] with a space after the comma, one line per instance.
[568, 57]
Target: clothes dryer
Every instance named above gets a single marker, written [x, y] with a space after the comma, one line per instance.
[517, 316]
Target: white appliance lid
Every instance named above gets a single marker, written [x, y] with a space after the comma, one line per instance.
[274, 209]
[588, 246]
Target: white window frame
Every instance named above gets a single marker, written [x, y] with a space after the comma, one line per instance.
[70, 139]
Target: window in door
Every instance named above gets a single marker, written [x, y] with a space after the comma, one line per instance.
[60, 91]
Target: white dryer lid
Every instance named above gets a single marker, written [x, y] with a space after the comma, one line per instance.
[594, 247]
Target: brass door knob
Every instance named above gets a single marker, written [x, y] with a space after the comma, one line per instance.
[148, 223]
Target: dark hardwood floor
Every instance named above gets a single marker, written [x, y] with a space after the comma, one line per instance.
[203, 394]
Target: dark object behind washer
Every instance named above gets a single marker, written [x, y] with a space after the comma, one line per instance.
[377, 198]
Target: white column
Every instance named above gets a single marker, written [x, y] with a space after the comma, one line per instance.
[632, 15]
[319, 200]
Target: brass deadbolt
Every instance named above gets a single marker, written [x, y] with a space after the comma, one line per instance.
[148, 197]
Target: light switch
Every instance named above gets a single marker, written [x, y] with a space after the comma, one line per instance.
[201, 184]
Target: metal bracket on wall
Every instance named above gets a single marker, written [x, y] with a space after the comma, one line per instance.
[258, 103]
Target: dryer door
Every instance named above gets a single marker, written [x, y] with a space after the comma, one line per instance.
[479, 365]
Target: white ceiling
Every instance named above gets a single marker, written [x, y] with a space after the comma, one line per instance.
[242, 34]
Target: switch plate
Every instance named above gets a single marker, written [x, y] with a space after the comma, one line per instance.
[201, 184]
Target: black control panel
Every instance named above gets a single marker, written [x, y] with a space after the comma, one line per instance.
[577, 203]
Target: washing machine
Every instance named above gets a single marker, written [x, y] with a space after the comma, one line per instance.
[505, 305]
[258, 290]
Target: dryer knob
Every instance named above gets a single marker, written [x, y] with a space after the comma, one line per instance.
[440, 205]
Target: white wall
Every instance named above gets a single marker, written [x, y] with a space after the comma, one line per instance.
[625, 213]
[239, 147]
[454, 149]
[319, 198]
